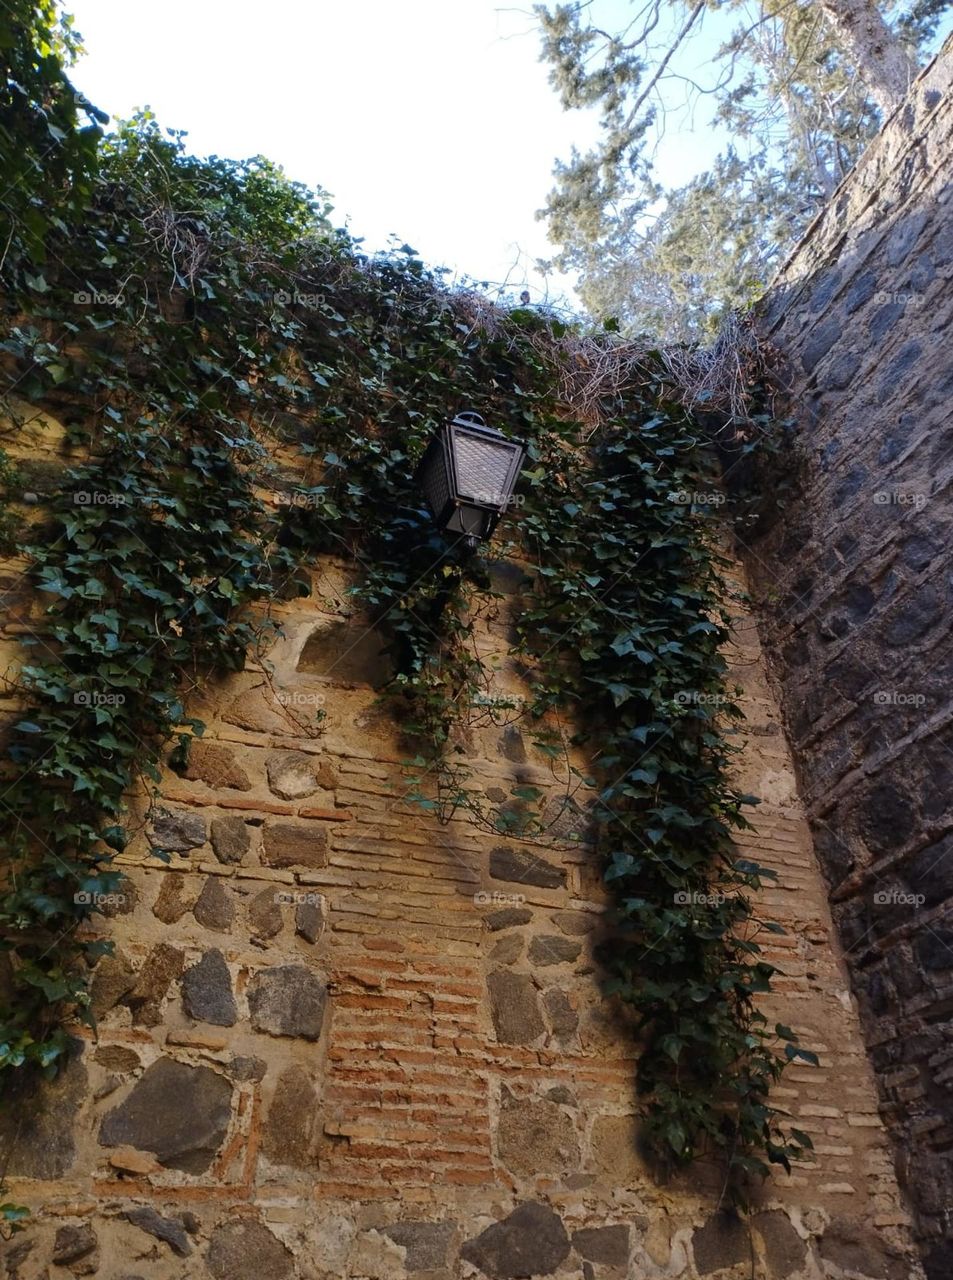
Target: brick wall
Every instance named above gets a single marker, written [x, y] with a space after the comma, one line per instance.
[854, 587]
[339, 1039]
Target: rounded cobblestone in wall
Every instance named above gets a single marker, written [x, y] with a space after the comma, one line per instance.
[162, 966]
[720, 1243]
[535, 1137]
[548, 949]
[562, 1017]
[76, 1248]
[113, 979]
[288, 1000]
[521, 867]
[507, 918]
[531, 1241]
[514, 1007]
[295, 844]
[508, 949]
[214, 908]
[292, 775]
[216, 765]
[179, 1112]
[311, 917]
[116, 1058]
[172, 900]
[207, 991]
[247, 1250]
[230, 839]
[264, 913]
[427, 1243]
[288, 1133]
[784, 1249]
[608, 1246]
[177, 830]
[168, 1230]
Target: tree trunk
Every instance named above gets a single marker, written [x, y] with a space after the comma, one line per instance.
[882, 61]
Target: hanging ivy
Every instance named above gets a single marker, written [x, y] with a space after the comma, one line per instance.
[146, 569]
[198, 320]
[629, 619]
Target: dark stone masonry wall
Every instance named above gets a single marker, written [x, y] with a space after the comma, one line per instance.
[854, 586]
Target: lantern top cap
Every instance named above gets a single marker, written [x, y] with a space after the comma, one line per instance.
[474, 421]
[470, 418]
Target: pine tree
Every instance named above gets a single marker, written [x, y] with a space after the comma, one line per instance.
[802, 85]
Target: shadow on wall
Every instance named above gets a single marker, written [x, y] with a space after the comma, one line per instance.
[348, 652]
[855, 591]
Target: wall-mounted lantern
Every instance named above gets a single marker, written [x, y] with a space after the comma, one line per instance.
[467, 475]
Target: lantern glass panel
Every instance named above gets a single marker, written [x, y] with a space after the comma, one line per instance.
[435, 478]
[482, 467]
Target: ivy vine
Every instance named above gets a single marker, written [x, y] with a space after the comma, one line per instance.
[191, 325]
[629, 617]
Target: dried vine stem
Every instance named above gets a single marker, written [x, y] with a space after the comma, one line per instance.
[596, 371]
[719, 377]
[178, 236]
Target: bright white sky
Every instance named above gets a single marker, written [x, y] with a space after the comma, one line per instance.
[431, 120]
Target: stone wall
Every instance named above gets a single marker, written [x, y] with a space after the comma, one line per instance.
[340, 1039]
[854, 588]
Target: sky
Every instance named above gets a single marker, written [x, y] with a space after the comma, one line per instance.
[429, 120]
